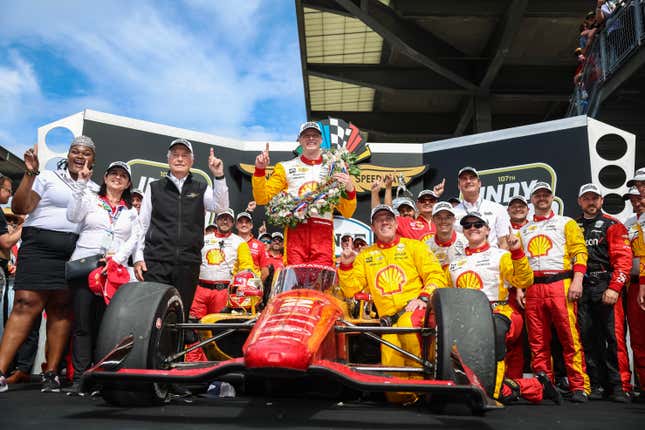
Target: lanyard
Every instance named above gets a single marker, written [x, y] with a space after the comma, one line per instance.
[112, 213]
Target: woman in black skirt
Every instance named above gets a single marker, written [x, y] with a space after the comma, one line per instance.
[48, 240]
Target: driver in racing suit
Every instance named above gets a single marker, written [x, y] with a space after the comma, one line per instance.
[313, 240]
[493, 270]
[401, 275]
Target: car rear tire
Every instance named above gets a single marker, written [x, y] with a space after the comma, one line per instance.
[464, 318]
[142, 309]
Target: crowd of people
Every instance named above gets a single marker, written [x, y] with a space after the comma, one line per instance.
[544, 274]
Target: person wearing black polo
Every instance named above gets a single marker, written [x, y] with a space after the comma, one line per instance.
[172, 220]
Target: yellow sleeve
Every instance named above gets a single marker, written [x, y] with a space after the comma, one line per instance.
[352, 279]
[347, 206]
[245, 260]
[446, 273]
[428, 266]
[516, 271]
[264, 189]
[576, 248]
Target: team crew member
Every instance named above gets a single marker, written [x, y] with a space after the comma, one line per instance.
[275, 253]
[636, 291]
[401, 292]
[447, 244]
[634, 197]
[405, 207]
[244, 227]
[558, 257]
[172, 221]
[470, 185]
[601, 317]
[421, 227]
[137, 198]
[48, 240]
[311, 241]
[493, 271]
[224, 254]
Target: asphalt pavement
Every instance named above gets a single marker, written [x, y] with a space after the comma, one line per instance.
[24, 406]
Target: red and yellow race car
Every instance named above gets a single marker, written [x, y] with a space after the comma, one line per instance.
[307, 336]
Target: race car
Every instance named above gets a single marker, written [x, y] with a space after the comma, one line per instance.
[307, 331]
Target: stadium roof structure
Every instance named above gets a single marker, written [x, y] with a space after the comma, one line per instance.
[424, 70]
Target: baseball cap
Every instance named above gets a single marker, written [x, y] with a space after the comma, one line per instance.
[427, 193]
[589, 188]
[309, 124]
[122, 165]
[454, 200]
[83, 141]
[399, 201]
[638, 176]
[227, 211]
[244, 215]
[473, 214]
[442, 206]
[278, 235]
[541, 186]
[264, 236]
[380, 208]
[468, 169]
[518, 197]
[136, 191]
[181, 141]
[633, 191]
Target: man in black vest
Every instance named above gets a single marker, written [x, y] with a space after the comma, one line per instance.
[172, 218]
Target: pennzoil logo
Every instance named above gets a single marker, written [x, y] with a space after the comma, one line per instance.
[390, 280]
[336, 132]
[469, 279]
[539, 246]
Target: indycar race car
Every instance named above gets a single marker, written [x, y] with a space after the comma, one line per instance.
[307, 335]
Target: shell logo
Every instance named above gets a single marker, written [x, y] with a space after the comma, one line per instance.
[214, 257]
[308, 187]
[539, 246]
[390, 280]
[469, 279]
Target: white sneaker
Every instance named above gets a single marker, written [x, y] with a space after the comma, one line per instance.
[3, 384]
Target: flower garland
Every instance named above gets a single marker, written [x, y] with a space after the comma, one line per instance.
[287, 210]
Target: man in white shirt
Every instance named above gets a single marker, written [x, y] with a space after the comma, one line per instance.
[470, 185]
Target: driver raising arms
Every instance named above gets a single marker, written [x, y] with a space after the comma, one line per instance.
[401, 276]
[313, 240]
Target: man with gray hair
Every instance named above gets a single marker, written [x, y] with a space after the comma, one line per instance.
[172, 219]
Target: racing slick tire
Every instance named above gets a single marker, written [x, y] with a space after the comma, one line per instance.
[142, 309]
[464, 319]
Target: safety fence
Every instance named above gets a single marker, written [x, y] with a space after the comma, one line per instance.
[620, 38]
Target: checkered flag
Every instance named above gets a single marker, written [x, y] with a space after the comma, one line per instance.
[337, 132]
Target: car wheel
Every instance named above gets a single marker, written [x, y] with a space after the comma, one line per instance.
[142, 309]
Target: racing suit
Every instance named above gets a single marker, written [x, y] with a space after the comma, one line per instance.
[602, 327]
[395, 273]
[222, 257]
[555, 248]
[449, 251]
[635, 315]
[313, 240]
[493, 271]
[417, 228]
[515, 351]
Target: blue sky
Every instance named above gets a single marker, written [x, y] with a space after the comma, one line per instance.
[226, 67]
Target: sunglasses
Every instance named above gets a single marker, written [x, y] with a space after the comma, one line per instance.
[476, 224]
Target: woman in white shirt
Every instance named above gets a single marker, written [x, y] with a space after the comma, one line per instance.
[48, 240]
[108, 226]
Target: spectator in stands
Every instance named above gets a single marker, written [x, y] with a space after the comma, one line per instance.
[470, 185]
[110, 227]
[48, 240]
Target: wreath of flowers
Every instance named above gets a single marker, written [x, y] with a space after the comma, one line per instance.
[286, 210]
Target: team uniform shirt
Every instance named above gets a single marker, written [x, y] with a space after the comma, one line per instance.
[417, 228]
[104, 229]
[635, 230]
[224, 256]
[515, 228]
[491, 270]
[447, 252]
[393, 273]
[55, 189]
[259, 254]
[276, 262]
[554, 244]
[494, 213]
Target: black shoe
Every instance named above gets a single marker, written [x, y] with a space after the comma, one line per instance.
[597, 393]
[549, 391]
[619, 396]
[579, 396]
[562, 383]
[51, 382]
